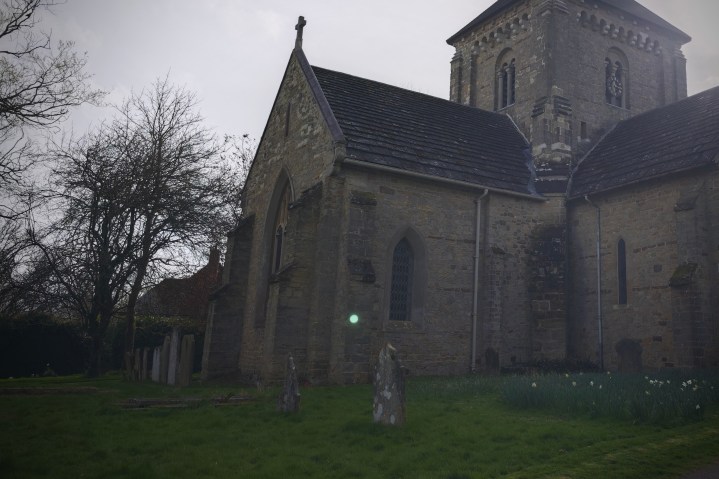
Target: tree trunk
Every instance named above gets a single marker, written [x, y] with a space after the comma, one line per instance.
[94, 367]
[130, 316]
[130, 336]
[98, 331]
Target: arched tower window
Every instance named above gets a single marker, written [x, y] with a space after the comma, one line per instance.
[506, 80]
[616, 79]
[400, 304]
[621, 272]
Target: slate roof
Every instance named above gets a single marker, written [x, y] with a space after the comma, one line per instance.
[397, 128]
[628, 6]
[665, 141]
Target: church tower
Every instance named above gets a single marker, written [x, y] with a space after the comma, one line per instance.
[566, 71]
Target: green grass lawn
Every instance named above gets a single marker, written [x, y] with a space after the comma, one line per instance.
[456, 428]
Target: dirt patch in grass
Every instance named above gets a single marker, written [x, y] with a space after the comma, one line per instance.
[48, 391]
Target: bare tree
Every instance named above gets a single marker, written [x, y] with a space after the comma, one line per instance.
[86, 255]
[133, 199]
[189, 190]
[40, 81]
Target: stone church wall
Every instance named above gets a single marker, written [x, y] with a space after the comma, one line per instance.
[296, 145]
[671, 232]
[437, 339]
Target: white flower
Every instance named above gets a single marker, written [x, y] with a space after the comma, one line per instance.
[534, 385]
[689, 382]
[574, 383]
[591, 383]
[697, 408]
[647, 393]
[684, 384]
[668, 382]
[600, 386]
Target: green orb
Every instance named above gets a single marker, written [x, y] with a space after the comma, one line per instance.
[354, 319]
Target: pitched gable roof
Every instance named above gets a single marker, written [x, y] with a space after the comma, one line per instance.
[629, 6]
[400, 129]
[665, 141]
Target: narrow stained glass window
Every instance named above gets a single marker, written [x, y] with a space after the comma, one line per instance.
[622, 271]
[401, 288]
[280, 229]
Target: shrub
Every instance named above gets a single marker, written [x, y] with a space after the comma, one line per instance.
[660, 399]
[34, 343]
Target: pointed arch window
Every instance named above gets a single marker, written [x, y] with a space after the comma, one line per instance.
[621, 272]
[280, 228]
[402, 281]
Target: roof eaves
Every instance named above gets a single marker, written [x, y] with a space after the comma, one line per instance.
[531, 195]
[495, 9]
[609, 189]
[327, 113]
[638, 10]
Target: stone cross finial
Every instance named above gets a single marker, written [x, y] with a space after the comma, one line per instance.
[299, 27]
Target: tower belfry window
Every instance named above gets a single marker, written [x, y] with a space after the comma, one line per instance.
[616, 91]
[506, 84]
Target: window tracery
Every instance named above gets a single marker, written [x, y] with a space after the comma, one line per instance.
[280, 227]
[506, 83]
[615, 80]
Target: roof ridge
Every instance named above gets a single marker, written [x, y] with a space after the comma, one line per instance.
[413, 92]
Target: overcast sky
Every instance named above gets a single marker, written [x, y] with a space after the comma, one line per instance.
[233, 53]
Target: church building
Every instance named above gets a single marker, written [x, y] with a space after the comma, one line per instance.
[563, 204]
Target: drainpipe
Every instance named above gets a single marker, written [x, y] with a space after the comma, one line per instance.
[475, 289]
[599, 282]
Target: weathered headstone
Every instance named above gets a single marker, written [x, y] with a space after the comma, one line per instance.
[156, 364]
[389, 398]
[289, 399]
[145, 364]
[164, 360]
[137, 364]
[173, 362]
[187, 356]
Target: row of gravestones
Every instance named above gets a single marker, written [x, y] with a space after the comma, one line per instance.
[389, 389]
[170, 363]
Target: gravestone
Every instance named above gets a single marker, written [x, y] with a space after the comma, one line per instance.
[136, 365]
[164, 360]
[145, 364]
[289, 399]
[157, 352]
[389, 397]
[174, 359]
[187, 356]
